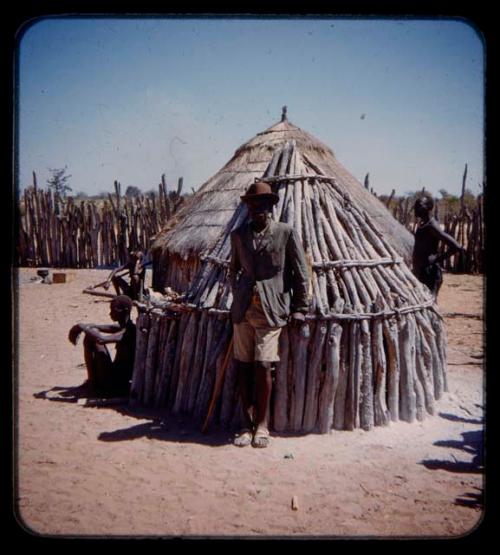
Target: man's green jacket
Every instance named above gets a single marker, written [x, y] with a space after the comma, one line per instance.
[278, 268]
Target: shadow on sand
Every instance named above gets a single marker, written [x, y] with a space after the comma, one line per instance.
[455, 418]
[65, 394]
[472, 444]
[161, 424]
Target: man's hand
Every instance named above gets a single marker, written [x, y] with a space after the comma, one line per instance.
[106, 285]
[297, 318]
[74, 333]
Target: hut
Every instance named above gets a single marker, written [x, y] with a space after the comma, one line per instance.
[373, 347]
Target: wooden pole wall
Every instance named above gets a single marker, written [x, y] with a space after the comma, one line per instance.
[64, 232]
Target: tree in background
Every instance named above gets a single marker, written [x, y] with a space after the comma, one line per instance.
[58, 181]
[150, 194]
[132, 191]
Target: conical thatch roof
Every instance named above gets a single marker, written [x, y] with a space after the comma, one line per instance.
[200, 222]
[373, 350]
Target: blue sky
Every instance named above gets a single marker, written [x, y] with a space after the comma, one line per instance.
[131, 99]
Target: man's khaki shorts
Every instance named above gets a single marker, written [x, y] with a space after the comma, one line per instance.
[254, 339]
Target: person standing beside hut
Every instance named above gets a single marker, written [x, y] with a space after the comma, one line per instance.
[428, 235]
[269, 279]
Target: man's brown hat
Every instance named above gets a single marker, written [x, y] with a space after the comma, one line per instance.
[260, 190]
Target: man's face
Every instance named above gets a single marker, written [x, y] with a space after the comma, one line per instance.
[420, 210]
[259, 209]
[113, 313]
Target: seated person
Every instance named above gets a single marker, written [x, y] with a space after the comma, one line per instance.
[137, 271]
[106, 377]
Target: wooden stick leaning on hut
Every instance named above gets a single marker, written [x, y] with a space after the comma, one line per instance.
[219, 378]
[151, 359]
[136, 388]
[313, 377]
[196, 366]
[187, 353]
[331, 379]
[408, 398]
[351, 414]
[299, 336]
[160, 359]
[339, 405]
[381, 412]
[166, 362]
[217, 333]
[424, 369]
[174, 377]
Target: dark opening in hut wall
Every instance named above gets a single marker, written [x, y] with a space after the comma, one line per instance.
[64, 232]
[373, 349]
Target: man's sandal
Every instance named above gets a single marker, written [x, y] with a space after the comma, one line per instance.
[244, 438]
[261, 438]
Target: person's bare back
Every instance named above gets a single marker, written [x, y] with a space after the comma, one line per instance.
[428, 236]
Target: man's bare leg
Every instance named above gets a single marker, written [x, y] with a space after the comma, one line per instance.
[120, 285]
[264, 384]
[245, 384]
[94, 355]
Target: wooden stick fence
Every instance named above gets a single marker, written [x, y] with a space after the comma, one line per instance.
[64, 232]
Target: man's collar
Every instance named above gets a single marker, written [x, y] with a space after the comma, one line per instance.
[268, 231]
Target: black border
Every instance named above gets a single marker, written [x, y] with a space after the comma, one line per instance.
[18, 19]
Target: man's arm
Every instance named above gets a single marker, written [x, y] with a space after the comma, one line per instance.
[116, 270]
[448, 240]
[96, 334]
[96, 331]
[300, 274]
[107, 328]
[138, 267]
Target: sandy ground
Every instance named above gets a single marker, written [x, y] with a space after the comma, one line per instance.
[107, 471]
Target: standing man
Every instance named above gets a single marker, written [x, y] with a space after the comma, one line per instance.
[269, 279]
[425, 250]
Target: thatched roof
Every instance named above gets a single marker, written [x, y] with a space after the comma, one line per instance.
[200, 222]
